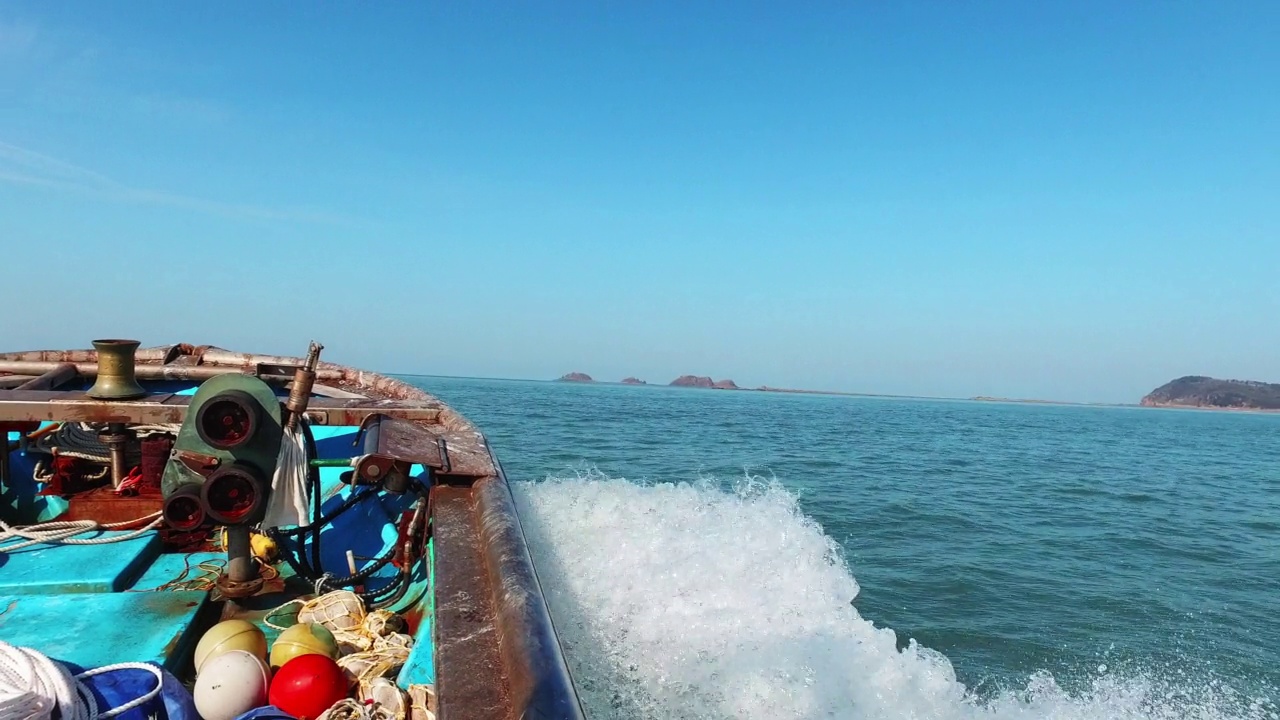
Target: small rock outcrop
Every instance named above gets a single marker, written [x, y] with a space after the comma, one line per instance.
[724, 385]
[633, 381]
[576, 377]
[693, 381]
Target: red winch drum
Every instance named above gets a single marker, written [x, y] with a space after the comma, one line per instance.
[228, 420]
[183, 509]
[234, 494]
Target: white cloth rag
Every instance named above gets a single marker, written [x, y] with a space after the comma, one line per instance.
[288, 504]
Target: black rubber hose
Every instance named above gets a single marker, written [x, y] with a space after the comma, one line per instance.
[286, 552]
[300, 566]
[301, 569]
[390, 587]
[364, 574]
[313, 475]
[402, 587]
[346, 505]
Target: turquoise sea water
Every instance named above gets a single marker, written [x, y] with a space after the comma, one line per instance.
[712, 554]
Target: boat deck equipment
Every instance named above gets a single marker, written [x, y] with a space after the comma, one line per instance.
[147, 494]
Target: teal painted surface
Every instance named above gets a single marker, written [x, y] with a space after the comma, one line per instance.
[420, 669]
[77, 568]
[168, 568]
[92, 630]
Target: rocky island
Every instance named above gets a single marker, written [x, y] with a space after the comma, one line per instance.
[633, 381]
[1206, 392]
[702, 381]
[576, 377]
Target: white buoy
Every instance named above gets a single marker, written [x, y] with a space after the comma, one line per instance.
[230, 685]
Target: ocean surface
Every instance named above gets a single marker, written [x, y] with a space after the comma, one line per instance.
[713, 554]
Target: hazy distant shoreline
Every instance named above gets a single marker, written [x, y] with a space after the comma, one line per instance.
[842, 393]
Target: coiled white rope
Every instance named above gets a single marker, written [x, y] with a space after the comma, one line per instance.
[64, 532]
[32, 686]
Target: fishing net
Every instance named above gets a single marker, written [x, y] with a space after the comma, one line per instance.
[371, 645]
[383, 622]
[339, 610]
[364, 668]
[383, 701]
[422, 702]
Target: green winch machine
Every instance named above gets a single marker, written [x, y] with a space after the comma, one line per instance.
[223, 460]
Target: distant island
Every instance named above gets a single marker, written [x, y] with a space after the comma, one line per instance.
[1206, 392]
[576, 377]
[702, 381]
[1192, 391]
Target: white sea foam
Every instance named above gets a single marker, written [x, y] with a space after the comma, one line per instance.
[686, 601]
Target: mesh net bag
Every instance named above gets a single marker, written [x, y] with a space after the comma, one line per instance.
[387, 699]
[350, 641]
[396, 640]
[345, 710]
[422, 702]
[337, 610]
[362, 668]
[383, 622]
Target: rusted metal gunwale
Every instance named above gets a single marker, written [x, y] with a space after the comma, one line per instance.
[472, 680]
[538, 676]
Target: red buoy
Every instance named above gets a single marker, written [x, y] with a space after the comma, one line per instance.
[308, 685]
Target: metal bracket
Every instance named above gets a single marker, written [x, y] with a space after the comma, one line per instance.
[197, 463]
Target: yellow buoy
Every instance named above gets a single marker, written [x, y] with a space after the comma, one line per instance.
[230, 635]
[303, 639]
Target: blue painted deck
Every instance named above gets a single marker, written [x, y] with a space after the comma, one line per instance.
[96, 629]
[45, 569]
[168, 567]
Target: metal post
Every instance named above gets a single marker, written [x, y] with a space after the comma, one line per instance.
[116, 438]
[303, 379]
[240, 565]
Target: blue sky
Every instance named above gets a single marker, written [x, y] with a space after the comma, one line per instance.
[1074, 201]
